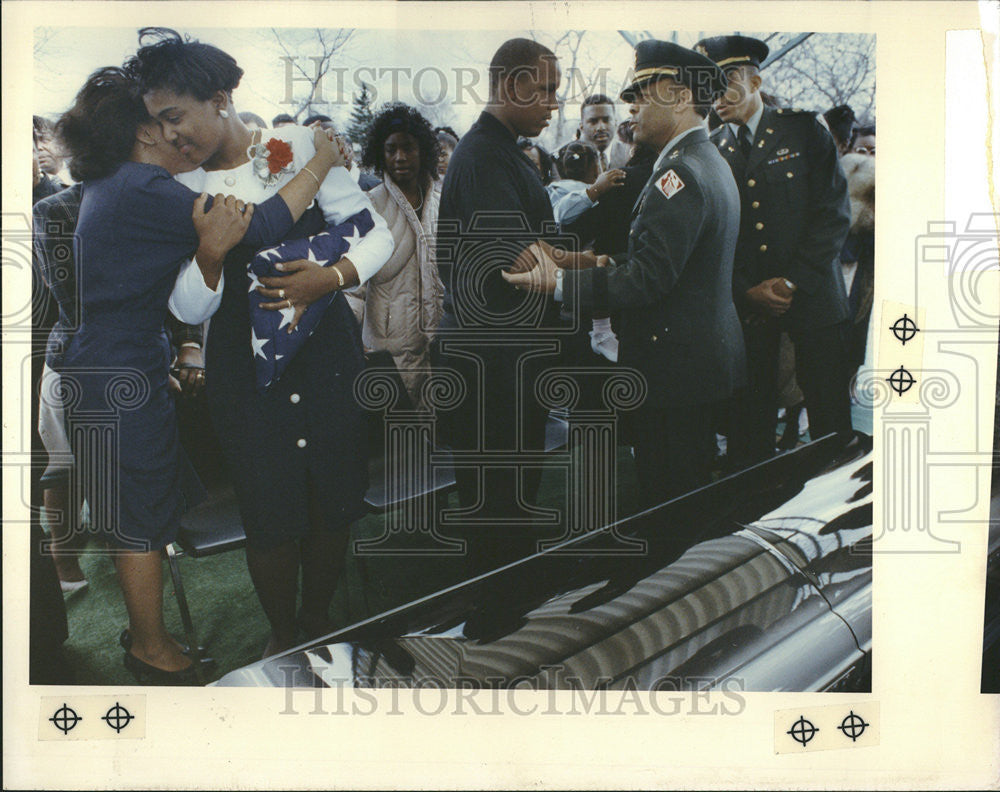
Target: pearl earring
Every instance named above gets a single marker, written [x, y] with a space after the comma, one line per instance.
[224, 114]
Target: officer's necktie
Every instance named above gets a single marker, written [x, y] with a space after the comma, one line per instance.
[604, 162]
[745, 142]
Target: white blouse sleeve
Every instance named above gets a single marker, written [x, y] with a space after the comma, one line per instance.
[192, 301]
[340, 197]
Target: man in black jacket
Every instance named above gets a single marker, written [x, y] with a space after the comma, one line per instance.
[673, 288]
[786, 274]
[493, 204]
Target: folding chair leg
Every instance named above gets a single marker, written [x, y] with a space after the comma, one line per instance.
[182, 606]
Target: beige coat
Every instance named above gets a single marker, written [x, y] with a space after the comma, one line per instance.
[400, 307]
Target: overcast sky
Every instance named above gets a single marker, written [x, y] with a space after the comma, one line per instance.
[400, 64]
[435, 62]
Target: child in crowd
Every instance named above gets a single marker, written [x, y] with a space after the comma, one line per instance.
[580, 187]
[582, 183]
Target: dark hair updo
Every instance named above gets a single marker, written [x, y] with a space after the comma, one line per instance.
[98, 131]
[399, 117]
[577, 159]
[183, 66]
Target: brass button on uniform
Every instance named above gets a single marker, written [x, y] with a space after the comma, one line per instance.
[759, 226]
[751, 183]
[790, 174]
[301, 442]
[294, 398]
[755, 204]
[763, 248]
[653, 338]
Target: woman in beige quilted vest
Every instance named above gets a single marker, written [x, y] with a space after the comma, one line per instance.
[400, 307]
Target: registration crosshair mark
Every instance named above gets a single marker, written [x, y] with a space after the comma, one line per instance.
[853, 726]
[900, 380]
[802, 731]
[905, 329]
[117, 717]
[65, 719]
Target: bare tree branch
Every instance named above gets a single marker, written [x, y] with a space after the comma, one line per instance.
[326, 46]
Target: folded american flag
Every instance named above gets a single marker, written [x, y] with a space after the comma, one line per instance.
[273, 346]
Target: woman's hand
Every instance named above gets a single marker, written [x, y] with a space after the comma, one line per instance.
[306, 282]
[220, 228]
[328, 145]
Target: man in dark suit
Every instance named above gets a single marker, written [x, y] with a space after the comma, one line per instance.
[673, 287]
[598, 127]
[786, 276]
[498, 341]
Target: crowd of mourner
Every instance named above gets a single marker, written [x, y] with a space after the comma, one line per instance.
[214, 287]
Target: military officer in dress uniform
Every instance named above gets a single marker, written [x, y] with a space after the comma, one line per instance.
[673, 287]
[795, 214]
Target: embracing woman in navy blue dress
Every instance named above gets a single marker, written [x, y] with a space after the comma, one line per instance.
[297, 452]
[138, 227]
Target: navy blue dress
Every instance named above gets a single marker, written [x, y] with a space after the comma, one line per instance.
[134, 232]
[304, 438]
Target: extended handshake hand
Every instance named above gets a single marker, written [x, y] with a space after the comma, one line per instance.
[536, 267]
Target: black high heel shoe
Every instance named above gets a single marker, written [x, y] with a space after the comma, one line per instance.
[125, 639]
[145, 674]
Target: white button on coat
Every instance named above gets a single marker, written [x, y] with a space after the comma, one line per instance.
[301, 442]
[295, 398]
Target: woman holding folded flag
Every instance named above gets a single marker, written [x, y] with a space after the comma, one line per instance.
[291, 430]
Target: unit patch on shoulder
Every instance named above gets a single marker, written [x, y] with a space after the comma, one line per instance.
[670, 183]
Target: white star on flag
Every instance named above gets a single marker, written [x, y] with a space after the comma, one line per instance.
[287, 314]
[356, 236]
[254, 281]
[312, 257]
[258, 344]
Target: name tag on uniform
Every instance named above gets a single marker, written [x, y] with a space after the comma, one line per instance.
[670, 184]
